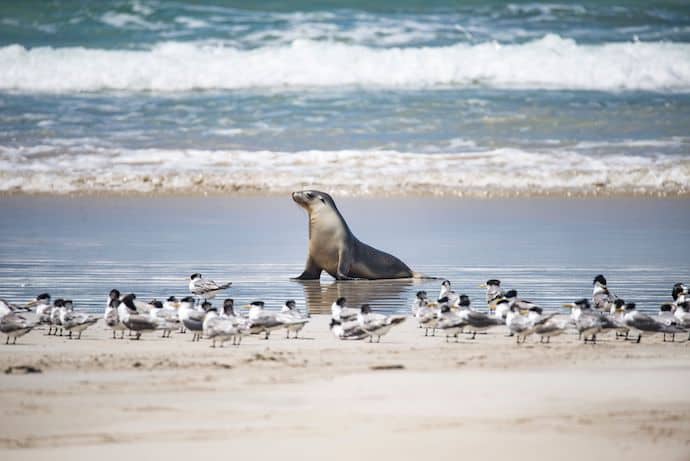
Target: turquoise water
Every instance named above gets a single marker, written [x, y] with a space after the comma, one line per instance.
[449, 97]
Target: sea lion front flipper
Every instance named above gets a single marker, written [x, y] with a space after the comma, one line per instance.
[311, 271]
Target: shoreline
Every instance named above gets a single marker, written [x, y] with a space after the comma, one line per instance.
[564, 194]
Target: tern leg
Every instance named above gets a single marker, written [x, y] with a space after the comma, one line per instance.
[122, 335]
[15, 340]
[79, 337]
[7, 341]
[113, 334]
[70, 334]
[639, 338]
[288, 333]
[371, 339]
[426, 332]
[548, 339]
[214, 343]
[378, 340]
[474, 335]
[673, 337]
[267, 333]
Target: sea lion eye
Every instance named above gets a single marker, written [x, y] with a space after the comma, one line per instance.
[322, 200]
[309, 195]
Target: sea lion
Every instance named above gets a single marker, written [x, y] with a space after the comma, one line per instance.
[334, 248]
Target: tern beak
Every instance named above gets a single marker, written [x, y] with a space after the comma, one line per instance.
[31, 303]
[569, 305]
[246, 306]
[482, 285]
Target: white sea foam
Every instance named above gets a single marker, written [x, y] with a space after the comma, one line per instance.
[506, 171]
[126, 20]
[551, 62]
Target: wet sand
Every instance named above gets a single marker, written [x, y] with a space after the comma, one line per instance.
[409, 397]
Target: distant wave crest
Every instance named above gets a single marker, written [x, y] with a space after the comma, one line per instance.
[549, 63]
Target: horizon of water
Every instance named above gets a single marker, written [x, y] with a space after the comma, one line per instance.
[547, 249]
[362, 98]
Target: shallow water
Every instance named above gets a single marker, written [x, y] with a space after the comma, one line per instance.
[548, 249]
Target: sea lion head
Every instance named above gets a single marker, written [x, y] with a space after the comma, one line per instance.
[313, 200]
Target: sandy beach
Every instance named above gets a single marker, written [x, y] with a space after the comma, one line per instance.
[407, 397]
[541, 144]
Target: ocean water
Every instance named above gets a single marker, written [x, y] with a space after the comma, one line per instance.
[360, 98]
[548, 249]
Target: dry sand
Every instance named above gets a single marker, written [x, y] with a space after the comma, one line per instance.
[317, 397]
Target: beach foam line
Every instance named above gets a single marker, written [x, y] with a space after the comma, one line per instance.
[498, 172]
[551, 62]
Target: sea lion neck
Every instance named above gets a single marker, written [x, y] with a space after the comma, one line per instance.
[326, 216]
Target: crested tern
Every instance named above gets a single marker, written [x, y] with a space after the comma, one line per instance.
[494, 292]
[589, 322]
[446, 292]
[110, 315]
[262, 321]
[377, 324]
[427, 317]
[602, 297]
[75, 322]
[42, 306]
[419, 302]
[348, 330]
[55, 317]
[519, 325]
[342, 313]
[222, 327]
[133, 319]
[207, 289]
[191, 318]
[644, 324]
[476, 321]
[448, 321]
[667, 317]
[293, 318]
[14, 325]
[159, 314]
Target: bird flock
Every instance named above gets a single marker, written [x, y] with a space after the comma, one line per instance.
[451, 314]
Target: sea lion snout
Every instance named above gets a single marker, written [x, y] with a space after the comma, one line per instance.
[299, 198]
[305, 198]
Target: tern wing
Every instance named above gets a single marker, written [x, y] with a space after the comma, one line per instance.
[204, 286]
[480, 319]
